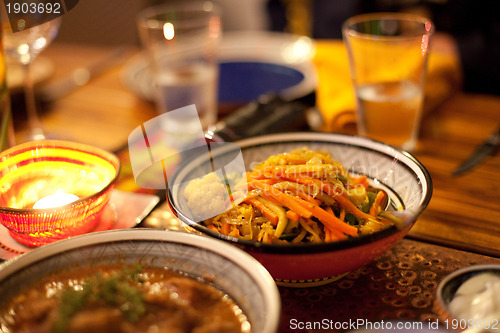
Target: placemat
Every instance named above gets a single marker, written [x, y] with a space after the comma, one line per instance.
[400, 285]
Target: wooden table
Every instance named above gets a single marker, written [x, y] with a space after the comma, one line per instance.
[464, 212]
[101, 113]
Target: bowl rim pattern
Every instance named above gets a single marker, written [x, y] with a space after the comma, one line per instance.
[301, 137]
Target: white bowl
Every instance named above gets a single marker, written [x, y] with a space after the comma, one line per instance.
[448, 289]
[233, 271]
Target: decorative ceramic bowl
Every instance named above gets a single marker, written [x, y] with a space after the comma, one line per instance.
[227, 268]
[404, 178]
[51, 190]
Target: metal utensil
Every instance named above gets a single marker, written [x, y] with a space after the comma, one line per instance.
[488, 148]
[268, 114]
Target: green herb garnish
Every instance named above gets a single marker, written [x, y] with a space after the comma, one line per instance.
[117, 290]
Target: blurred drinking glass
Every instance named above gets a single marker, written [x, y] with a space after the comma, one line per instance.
[181, 41]
[387, 57]
[6, 127]
[23, 46]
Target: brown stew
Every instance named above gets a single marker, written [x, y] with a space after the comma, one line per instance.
[121, 299]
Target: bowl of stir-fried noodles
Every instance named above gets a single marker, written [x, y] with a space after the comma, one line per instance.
[309, 206]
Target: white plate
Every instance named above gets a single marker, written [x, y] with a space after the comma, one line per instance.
[291, 51]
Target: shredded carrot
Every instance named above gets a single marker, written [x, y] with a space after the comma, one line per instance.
[315, 183]
[331, 220]
[292, 215]
[332, 190]
[361, 180]
[283, 198]
[270, 181]
[376, 207]
[343, 199]
[351, 208]
[336, 234]
[301, 179]
[305, 196]
[213, 228]
[234, 233]
[225, 228]
[266, 211]
[315, 210]
[328, 235]
[269, 198]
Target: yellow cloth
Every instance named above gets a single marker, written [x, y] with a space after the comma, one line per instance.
[335, 95]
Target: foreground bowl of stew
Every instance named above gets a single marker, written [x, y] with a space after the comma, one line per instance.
[404, 180]
[179, 281]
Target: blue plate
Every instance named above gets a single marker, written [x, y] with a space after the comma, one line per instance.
[251, 64]
[245, 81]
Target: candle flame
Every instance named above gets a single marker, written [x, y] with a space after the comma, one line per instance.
[168, 31]
[60, 198]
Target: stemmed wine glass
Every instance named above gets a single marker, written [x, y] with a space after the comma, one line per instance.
[24, 46]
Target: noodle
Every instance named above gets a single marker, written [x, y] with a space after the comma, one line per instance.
[302, 196]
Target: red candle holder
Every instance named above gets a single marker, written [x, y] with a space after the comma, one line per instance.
[56, 170]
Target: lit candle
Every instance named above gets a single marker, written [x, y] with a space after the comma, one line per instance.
[60, 198]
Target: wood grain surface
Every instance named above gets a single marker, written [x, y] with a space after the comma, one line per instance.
[465, 210]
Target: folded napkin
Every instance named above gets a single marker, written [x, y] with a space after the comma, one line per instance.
[335, 94]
